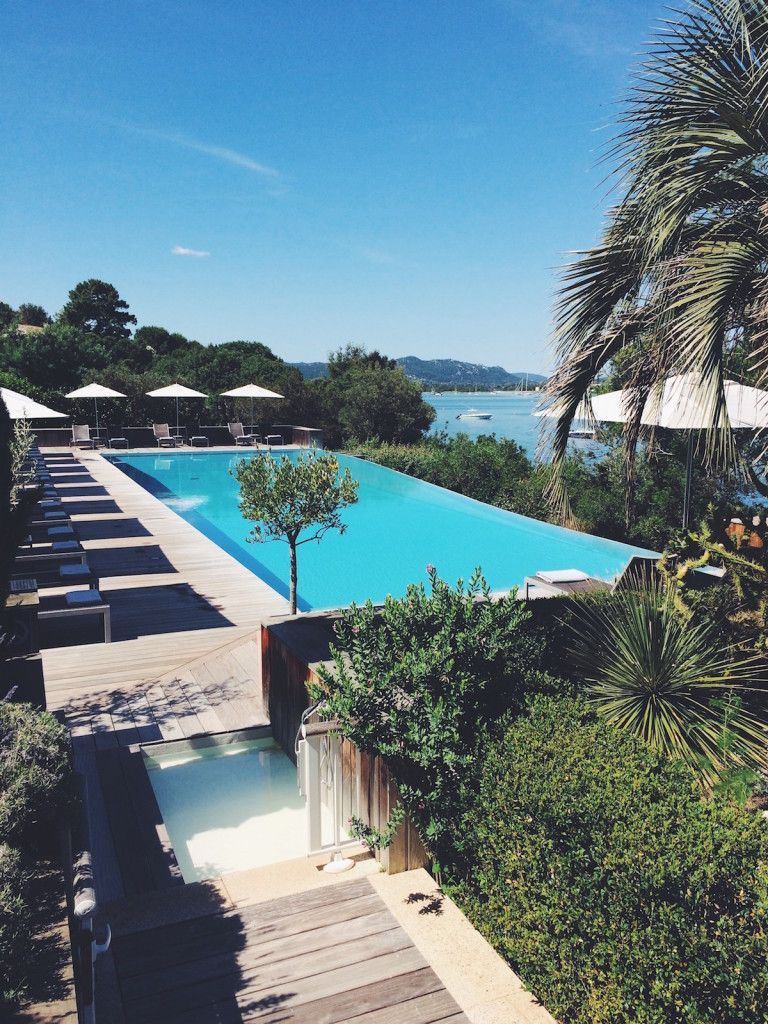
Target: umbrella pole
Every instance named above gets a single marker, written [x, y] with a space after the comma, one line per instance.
[96, 413]
[251, 413]
[688, 483]
[177, 415]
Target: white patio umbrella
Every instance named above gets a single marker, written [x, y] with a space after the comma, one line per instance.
[95, 391]
[22, 408]
[685, 402]
[251, 391]
[176, 391]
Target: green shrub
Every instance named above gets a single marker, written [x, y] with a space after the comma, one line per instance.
[600, 874]
[415, 681]
[15, 927]
[34, 771]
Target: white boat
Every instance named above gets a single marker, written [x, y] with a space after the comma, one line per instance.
[583, 433]
[473, 414]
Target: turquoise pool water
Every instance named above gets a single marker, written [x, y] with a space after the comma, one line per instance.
[398, 526]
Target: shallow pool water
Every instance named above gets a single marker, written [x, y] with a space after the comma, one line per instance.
[398, 527]
[228, 807]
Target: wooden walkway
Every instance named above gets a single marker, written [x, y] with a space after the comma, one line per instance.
[334, 955]
[174, 594]
[185, 657]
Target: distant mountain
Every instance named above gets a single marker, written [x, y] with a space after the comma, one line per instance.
[447, 373]
[450, 373]
[312, 370]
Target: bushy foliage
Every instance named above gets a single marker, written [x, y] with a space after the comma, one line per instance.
[600, 874]
[15, 928]
[369, 396]
[487, 469]
[416, 680]
[34, 772]
[654, 672]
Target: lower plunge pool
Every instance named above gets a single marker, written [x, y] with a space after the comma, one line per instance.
[227, 806]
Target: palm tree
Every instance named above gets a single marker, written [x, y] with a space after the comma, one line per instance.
[666, 679]
[680, 277]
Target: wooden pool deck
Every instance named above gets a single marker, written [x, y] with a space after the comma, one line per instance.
[331, 955]
[175, 595]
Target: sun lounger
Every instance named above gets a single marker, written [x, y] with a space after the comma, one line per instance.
[81, 436]
[239, 435]
[640, 570]
[66, 575]
[76, 604]
[53, 553]
[164, 437]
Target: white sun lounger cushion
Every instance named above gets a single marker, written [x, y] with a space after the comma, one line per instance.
[61, 531]
[76, 571]
[81, 597]
[65, 545]
[563, 576]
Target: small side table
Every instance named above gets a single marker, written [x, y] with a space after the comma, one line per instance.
[118, 442]
[199, 441]
[273, 439]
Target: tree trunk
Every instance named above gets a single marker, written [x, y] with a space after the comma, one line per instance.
[292, 545]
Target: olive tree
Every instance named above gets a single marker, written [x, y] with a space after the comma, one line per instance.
[296, 501]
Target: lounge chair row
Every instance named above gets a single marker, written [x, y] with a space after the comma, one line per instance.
[53, 556]
[83, 438]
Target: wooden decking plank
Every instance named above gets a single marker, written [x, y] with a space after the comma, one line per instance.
[416, 998]
[229, 932]
[188, 721]
[242, 952]
[254, 1003]
[164, 715]
[109, 883]
[315, 976]
[267, 915]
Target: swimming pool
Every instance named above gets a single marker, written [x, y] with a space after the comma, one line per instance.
[398, 526]
[227, 806]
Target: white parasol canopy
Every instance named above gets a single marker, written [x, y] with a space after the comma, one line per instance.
[95, 391]
[251, 391]
[22, 408]
[176, 391]
[685, 402]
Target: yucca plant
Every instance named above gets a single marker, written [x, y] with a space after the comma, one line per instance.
[679, 279]
[653, 673]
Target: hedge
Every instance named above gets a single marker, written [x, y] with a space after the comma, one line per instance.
[599, 873]
[34, 771]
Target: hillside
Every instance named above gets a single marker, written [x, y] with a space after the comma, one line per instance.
[445, 373]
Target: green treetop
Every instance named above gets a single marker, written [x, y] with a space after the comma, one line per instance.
[96, 307]
[294, 501]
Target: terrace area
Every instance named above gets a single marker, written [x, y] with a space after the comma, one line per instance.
[285, 942]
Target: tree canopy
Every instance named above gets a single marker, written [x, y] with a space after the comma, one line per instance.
[296, 501]
[96, 307]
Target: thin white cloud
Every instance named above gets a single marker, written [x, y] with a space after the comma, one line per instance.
[229, 156]
[223, 153]
[181, 250]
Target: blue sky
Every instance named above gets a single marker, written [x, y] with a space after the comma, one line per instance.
[406, 174]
